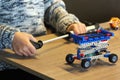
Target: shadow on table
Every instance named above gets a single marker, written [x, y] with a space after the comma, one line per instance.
[77, 66]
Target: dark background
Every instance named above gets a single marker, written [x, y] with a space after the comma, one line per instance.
[94, 10]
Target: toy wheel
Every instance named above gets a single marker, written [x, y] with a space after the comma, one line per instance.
[85, 63]
[69, 58]
[113, 58]
[116, 28]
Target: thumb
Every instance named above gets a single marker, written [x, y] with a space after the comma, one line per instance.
[33, 38]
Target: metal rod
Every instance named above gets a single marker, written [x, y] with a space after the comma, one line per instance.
[67, 35]
[50, 40]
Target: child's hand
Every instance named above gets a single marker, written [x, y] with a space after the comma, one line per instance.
[22, 45]
[77, 28]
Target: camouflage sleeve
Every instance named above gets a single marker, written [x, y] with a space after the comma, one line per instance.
[6, 36]
[57, 16]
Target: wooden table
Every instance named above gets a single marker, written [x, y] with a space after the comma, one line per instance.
[49, 62]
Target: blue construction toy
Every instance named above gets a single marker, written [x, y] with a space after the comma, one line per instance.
[91, 46]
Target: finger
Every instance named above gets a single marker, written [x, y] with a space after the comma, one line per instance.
[27, 51]
[18, 53]
[32, 38]
[31, 48]
[76, 30]
[24, 53]
[82, 28]
[85, 29]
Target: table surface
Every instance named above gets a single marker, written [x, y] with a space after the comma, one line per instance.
[49, 62]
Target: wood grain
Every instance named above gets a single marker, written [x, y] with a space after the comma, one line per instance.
[49, 62]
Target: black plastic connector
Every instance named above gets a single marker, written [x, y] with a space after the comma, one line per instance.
[38, 44]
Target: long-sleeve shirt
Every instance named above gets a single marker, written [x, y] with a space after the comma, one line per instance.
[29, 16]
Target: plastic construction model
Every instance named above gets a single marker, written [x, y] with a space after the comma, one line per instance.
[92, 46]
[114, 23]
